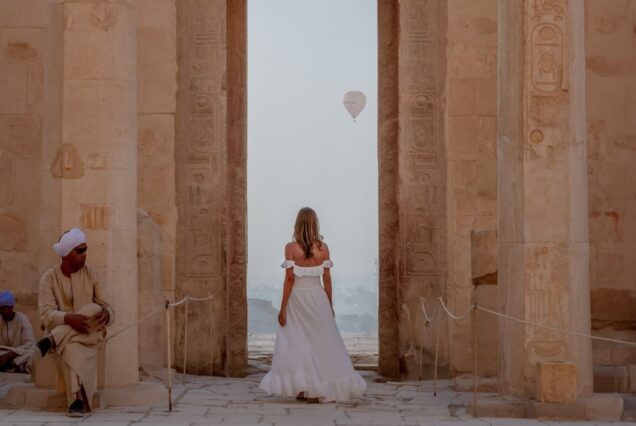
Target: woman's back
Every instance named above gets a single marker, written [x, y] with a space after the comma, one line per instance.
[320, 254]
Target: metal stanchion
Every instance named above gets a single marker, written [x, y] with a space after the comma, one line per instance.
[474, 318]
[185, 342]
[169, 356]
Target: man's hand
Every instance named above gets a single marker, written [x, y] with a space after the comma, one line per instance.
[77, 322]
[282, 318]
[103, 317]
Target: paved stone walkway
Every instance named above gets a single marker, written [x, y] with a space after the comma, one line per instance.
[221, 401]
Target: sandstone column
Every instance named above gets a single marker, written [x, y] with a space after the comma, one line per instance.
[211, 182]
[542, 194]
[411, 156]
[89, 161]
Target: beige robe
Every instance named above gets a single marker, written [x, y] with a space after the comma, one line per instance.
[85, 294]
[18, 334]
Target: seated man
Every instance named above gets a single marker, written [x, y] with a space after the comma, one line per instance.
[15, 333]
[75, 310]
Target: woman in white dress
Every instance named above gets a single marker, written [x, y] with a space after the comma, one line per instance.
[310, 359]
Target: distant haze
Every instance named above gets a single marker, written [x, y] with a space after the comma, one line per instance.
[304, 149]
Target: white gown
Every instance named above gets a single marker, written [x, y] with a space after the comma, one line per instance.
[309, 354]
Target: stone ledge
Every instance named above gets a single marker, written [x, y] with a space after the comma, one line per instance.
[555, 411]
[500, 407]
[597, 407]
[602, 407]
[144, 393]
[464, 383]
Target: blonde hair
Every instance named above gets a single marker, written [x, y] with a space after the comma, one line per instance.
[307, 231]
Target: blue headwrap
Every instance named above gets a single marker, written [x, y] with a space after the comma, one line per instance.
[7, 298]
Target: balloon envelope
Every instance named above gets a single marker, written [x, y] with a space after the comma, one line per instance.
[354, 102]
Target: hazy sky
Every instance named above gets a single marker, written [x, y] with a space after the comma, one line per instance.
[303, 147]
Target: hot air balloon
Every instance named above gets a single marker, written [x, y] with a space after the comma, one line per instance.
[354, 102]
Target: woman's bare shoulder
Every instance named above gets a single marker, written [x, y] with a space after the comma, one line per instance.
[323, 249]
[292, 248]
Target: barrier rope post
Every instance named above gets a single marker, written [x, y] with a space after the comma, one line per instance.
[421, 361]
[211, 339]
[436, 358]
[474, 318]
[185, 342]
[169, 356]
[424, 313]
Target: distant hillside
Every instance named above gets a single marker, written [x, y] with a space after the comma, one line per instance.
[262, 317]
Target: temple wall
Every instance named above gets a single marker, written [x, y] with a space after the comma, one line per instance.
[471, 139]
[437, 158]
[23, 70]
[611, 132]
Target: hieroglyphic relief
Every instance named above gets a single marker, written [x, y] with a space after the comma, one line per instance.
[21, 135]
[94, 216]
[421, 151]
[545, 264]
[201, 144]
[421, 192]
[547, 31]
[200, 167]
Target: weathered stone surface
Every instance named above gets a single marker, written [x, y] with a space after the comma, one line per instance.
[551, 411]
[556, 382]
[151, 297]
[420, 182]
[611, 155]
[487, 337]
[465, 383]
[14, 235]
[211, 180]
[470, 141]
[483, 257]
[611, 379]
[543, 259]
[602, 407]
[495, 406]
[613, 308]
[388, 114]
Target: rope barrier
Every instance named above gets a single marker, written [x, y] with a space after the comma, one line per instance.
[555, 329]
[129, 326]
[428, 319]
[194, 299]
[455, 317]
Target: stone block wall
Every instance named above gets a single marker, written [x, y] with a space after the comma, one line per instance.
[610, 41]
[23, 53]
[471, 139]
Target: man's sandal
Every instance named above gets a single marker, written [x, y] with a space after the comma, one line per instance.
[76, 409]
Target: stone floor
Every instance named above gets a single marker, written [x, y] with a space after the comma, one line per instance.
[214, 400]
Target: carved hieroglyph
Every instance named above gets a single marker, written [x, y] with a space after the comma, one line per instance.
[210, 163]
[543, 190]
[422, 208]
[201, 110]
[418, 183]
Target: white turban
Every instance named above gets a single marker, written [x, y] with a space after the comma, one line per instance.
[69, 241]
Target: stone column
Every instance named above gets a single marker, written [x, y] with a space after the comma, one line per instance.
[542, 194]
[89, 166]
[211, 182]
[411, 155]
